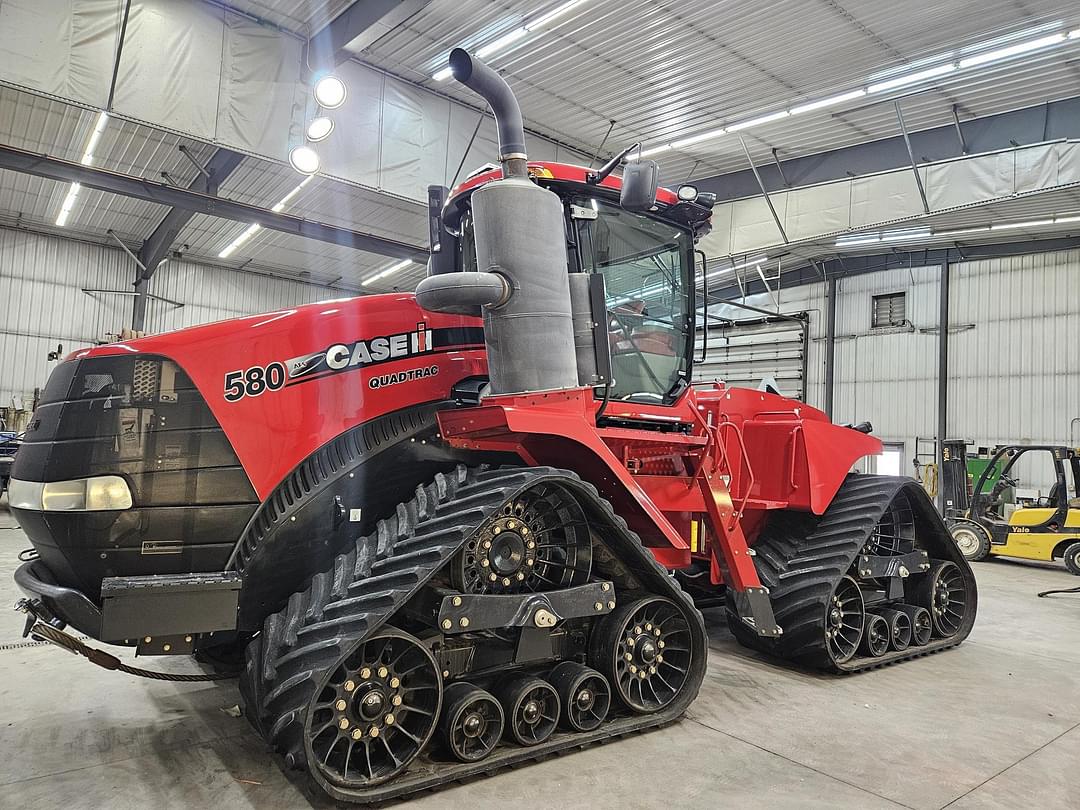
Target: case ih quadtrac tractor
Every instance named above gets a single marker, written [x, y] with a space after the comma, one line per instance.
[465, 528]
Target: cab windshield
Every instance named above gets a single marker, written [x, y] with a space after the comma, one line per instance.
[647, 266]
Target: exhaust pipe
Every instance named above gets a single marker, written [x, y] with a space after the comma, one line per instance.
[522, 288]
[493, 88]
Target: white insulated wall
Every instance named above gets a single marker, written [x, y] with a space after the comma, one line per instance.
[42, 302]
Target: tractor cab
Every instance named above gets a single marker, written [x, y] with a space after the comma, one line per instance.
[1037, 525]
[635, 260]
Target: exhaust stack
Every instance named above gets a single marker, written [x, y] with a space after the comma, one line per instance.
[520, 239]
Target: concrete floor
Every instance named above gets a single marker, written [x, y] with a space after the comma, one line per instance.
[994, 723]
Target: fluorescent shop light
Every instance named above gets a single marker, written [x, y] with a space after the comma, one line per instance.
[389, 271]
[1012, 50]
[753, 122]
[911, 78]
[704, 136]
[828, 102]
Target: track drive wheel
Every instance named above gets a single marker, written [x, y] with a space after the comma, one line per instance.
[472, 721]
[971, 540]
[375, 711]
[845, 617]
[644, 650]
[583, 693]
[941, 591]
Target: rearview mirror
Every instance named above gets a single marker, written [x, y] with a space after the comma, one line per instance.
[640, 179]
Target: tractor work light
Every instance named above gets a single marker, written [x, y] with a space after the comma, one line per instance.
[330, 92]
[100, 494]
[687, 192]
[304, 159]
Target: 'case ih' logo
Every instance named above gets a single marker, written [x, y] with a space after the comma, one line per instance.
[339, 357]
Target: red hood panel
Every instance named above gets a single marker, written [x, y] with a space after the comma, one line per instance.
[282, 384]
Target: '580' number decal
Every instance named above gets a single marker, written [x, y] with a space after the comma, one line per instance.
[254, 381]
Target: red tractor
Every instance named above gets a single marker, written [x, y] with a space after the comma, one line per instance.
[442, 527]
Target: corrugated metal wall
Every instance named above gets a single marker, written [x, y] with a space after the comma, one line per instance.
[42, 303]
[1014, 353]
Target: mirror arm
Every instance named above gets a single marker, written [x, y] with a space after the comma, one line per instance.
[593, 178]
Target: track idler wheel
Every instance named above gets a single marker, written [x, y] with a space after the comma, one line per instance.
[531, 707]
[644, 650]
[899, 627]
[875, 640]
[845, 617]
[375, 711]
[583, 693]
[942, 593]
[472, 721]
[922, 627]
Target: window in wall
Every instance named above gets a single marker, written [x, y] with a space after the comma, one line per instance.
[888, 310]
[891, 460]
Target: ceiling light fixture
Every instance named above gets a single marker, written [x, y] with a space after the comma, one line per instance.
[911, 78]
[510, 37]
[249, 232]
[389, 271]
[1012, 50]
[279, 206]
[320, 128]
[828, 102]
[704, 136]
[95, 136]
[753, 122]
[69, 201]
[652, 150]
[1036, 223]
[330, 92]
[304, 159]
[253, 229]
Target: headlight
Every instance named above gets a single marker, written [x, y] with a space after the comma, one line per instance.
[103, 493]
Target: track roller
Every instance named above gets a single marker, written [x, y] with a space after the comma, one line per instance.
[643, 649]
[472, 721]
[899, 627]
[875, 640]
[922, 627]
[584, 695]
[943, 594]
[531, 707]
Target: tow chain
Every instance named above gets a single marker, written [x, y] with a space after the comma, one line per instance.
[46, 632]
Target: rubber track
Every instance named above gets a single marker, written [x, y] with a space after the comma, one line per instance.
[800, 558]
[370, 582]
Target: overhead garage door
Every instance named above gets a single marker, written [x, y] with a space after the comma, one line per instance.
[744, 353]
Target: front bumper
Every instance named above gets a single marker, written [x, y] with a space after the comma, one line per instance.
[66, 604]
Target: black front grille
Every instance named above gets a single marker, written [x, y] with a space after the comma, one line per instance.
[140, 417]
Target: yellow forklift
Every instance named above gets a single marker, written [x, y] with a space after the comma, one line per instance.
[1039, 528]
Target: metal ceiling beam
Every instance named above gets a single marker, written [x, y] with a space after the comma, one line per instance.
[357, 27]
[1046, 122]
[856, 265]
[157, 244]
[126, 185]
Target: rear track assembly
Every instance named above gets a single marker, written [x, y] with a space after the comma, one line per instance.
[879, 541]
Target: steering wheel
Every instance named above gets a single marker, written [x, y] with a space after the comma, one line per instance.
[1009, 480]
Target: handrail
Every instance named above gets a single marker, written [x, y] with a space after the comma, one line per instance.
[746, 460]
[794, 455]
